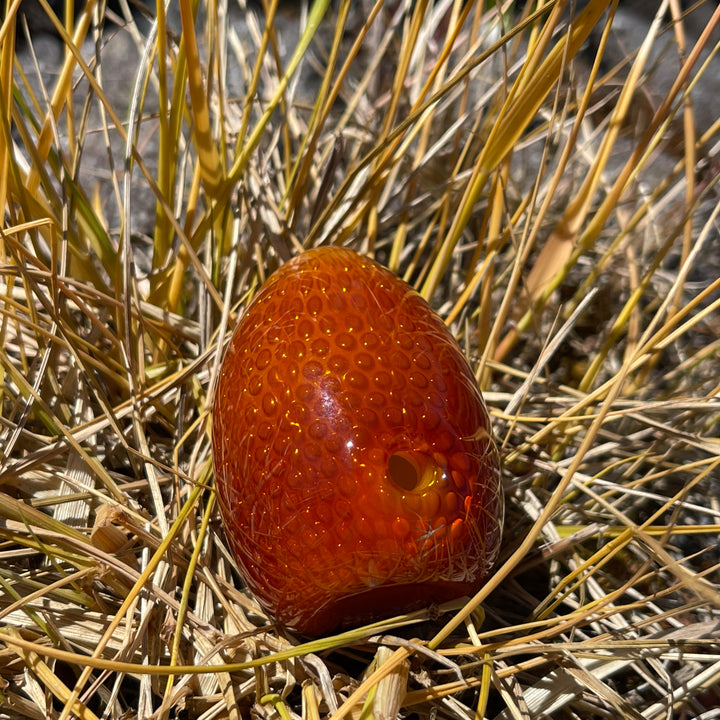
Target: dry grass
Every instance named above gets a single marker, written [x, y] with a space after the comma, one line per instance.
[558, 208]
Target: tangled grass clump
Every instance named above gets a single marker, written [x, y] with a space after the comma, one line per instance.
[553, 197]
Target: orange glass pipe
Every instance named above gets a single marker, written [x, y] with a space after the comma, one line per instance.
[354, 462]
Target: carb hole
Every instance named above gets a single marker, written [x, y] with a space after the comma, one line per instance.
[404, 471]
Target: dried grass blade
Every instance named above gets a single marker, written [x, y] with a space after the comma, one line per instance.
[650, 137]
[169, 118]
[7, 57]
[9, 20]
[250, 94]
[187, 589]
[62, 89]
[76, 512]
[132, 596]
[524, 100]
[243, 152]
[707, 678]
[208, 155]
[562, 685]
[310, 708]
[390, 665]
[327, 94]
[51, 681]
[553, 262]
[56, 428]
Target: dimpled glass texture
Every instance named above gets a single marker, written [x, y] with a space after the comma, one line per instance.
[354, 462]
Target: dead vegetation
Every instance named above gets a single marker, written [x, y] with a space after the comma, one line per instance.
[557, 203]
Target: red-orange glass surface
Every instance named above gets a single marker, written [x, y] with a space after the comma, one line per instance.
[354, 461]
